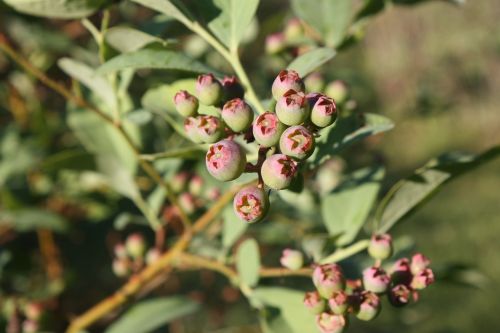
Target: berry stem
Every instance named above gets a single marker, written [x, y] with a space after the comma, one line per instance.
[346, 252]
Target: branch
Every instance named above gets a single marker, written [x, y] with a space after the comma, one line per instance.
[344, 253]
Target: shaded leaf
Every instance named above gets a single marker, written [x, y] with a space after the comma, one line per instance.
[63, 9]
[346, 209]
[126, 39]
[174, 9]
[248, 262]
[32, 219]
[408, 194]
[149, 315]
[118, 176]
[232, 227]
[310, 61]
[75, 159]
[139, 117]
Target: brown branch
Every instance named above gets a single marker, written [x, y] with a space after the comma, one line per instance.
[50, 254]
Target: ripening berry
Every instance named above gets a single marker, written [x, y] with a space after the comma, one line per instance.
[135, 245]
[330, 323]
[187, 203]
[337, 90]
[237, 115]
[208, 89]
[399, 295]
[212, 193]
[328, 279]
[278, 171]
[401, 272]
[210, 129]
[225, 160]
[152, 256]
[419, 262]
[251, 204]
[185, 103]
[369, 307]
[286, 80]
[297, 142]
[292, 259]
[422, 279]
[120, 267]
[375, 279]
[30, 326]
[380, 246]
[232, 88]
[324, 112]
[120, 251]
[292, 108]
[314, 303]
[195, 185]
[339, 302]
[191, 126]
[314, 82]
[33, 311]
[293, 29]
[275, 43]
[178, 181]
[267, 129]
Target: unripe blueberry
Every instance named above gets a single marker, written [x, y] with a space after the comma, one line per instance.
[275, 43]
[339, 302]
[187, 203]
[178, 181]
[292, 108]
[324, 112]
[337, 90]
[210, 128]
[330, 323]
[208, 89]
[135, 245]
[30, 326]
[251, 204]
[314, 303]
[120, 267]
[232, 88]
[369, 307]
[419, 262]
[120, 251]
[278, 171]
[293, 29]
[195, 185]
[375, 279]
[401, 272]
[297, 142]
[237, 115]
[33, 310]
[380, 246]
[422, 279]
[286, 80]
[314, 82]
[191, 126]
[267, 129]
[292, 259]
[212, 193]
[328, 279]
[185, 103]
[399, 295]
[225, 160]
[152, 256]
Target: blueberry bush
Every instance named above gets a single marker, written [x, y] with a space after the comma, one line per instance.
[188, 166]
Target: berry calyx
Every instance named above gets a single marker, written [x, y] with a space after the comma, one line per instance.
[208, 89]
[330, 323]
[297, 142]
[237, 115]
[210, 129]
[225, 160]
[338, 303]
[399, 295]
[324, 112]
[314, 303]
[375, 279]
[251, 204]
[278, 171]
[369, 307]
[267, 129]
[185, 103]
[286, 80]
[292, 108]
[328, 279]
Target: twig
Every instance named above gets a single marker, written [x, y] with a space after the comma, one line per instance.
[344, 253]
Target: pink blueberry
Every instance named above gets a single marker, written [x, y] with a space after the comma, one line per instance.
[292, 259]
[286, 80]
[375, 279]
[328, 279]
[208, 89]
[324, 112]
[267, 129]
[369, 307]
[380, 246]
[313, 302]
[399, 295]
[185, 103]
[251, 204]
[278, 171]
[297, 142]
[237, 115]
[210, 128]
[338, 303]
[330, 323]
[275, 43]
[225, 160]
[292, 108]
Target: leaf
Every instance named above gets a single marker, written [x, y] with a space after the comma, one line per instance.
[153, 58]
[126, 39]
[346, 209]
[32, 219]
[149, 315]
[118, 176]
[408, 194]
[330, 18]
[346, 131]
[88, 77]
[74, 159]
[174, 9]
[62, 9]
[139, 117]
[311, 60]
[291, 317]
[248, 262]
[232, 227]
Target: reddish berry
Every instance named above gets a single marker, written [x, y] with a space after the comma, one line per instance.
[208, 89]
[400, 272]
[136, 246]
[297, 142]
[152, 256]
[185, 103]
[328, 279]
[293, 29]
[278, 171]
[187, 202]
[286, 80]
[251, 204]
[275, 43]
[419, 262]
[422, 279]
[191, 126]
[375, 279]
[292, 259]
[314, 303]
[324, 112]
[232, 88]
[120, 267]
[237, 115]
[292, 108]
[210, 128]
[399, 295]
[369, 307]
[331, 323]
[380, 246]
[195, 185]
[267, 129]
[225, 160]
[338, 303]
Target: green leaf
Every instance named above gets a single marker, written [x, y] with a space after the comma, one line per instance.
[311, 60]
[290, 316]
[32, 219]
[139, 117]
[118, 176]
[346, 131]
[153, 58]
[125, 39]
[75, 159]
[232, 227]
[330, 18]
[150, 315]
[346, 209]
[408, 194]
[174, 9]
[62, 9]
[248, 262]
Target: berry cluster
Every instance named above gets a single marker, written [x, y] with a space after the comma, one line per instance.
[285, 137]
[336, 297]
[131, 256]
[30, 314]
[292, 40]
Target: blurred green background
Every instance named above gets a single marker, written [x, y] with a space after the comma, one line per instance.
[435, 70]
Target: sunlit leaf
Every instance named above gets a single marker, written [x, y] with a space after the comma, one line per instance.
[248, 262]
[310, 61]
[62, 9]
